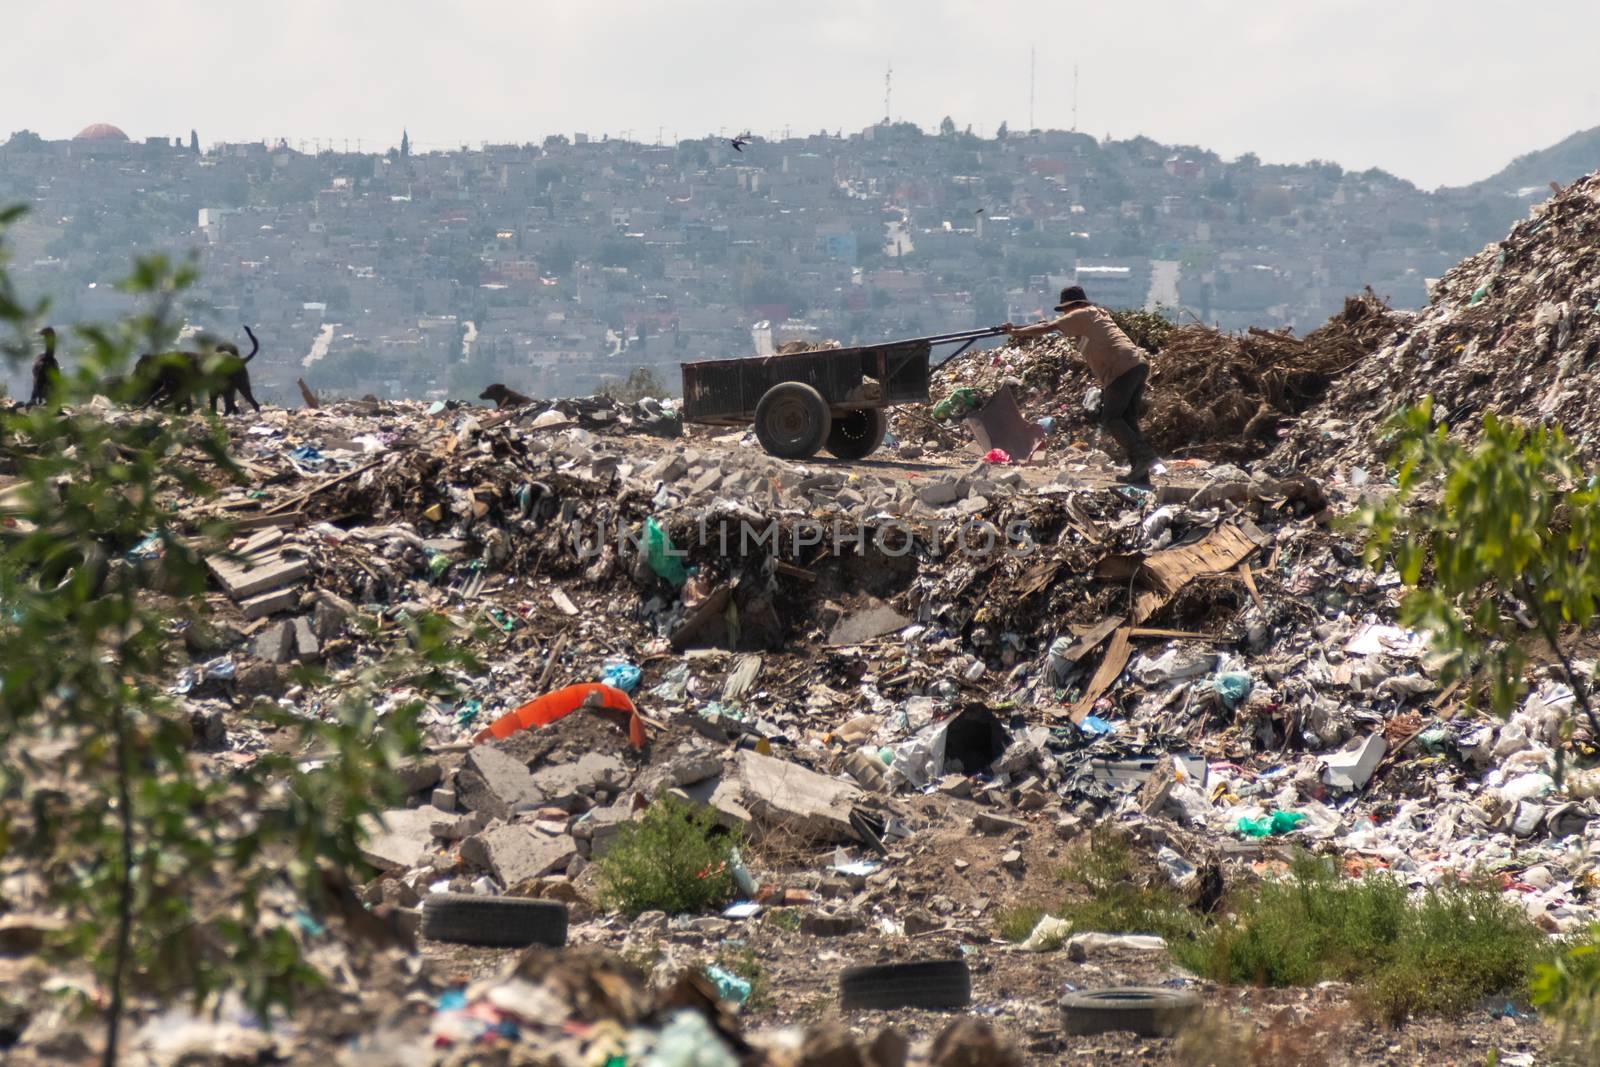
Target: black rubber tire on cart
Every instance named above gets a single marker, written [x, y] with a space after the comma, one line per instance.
[500, 922]
[937, 984]
[1149, 1011]
[792, 420]
[857, 434]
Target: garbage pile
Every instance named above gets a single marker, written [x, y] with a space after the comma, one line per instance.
[1212, 395]
[1512, 331]
[861, 668]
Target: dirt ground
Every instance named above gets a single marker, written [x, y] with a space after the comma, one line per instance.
[954, 880]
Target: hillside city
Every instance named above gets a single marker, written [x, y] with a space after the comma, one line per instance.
[556, 266]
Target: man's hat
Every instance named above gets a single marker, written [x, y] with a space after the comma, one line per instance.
[1072, 294]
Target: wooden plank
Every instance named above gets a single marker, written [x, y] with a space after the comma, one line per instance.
[1111, 666]
[294, 503]
[1250, 584]
[1171, 635]
[1167, 571]
[258, 522]
[1091, 639]
[792, 571]
[260, 541]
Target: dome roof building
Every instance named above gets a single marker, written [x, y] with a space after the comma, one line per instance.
[100, 131]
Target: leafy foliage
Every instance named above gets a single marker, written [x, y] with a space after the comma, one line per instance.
[1506, 532]
[175, 879]
[1440, 952]
[641, 383]
[1107, 893]
[1147, 329]
[1568, 990]
[674, 859]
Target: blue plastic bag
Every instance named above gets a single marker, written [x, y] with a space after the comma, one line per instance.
[621, 675]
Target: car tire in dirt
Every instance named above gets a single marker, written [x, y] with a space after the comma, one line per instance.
[857, 434]
[792, 421]
[925, 984]
[1149, 1011]
[499, 922]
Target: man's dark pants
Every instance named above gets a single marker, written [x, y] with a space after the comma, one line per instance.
[1120, 405]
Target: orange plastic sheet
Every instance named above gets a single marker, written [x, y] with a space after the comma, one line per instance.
[561, 703]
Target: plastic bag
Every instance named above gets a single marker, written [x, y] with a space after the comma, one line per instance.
[957, 403]
[730, 987]
[1280, 822]
[1232, 687]
[659, 551]
[621, 675]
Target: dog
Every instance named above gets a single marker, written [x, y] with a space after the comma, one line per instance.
[166, 377]
[46, 371]
[231, 372]
[172, 377]
[503, 397]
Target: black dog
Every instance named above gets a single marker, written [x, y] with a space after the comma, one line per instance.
[231, 371]
[46, 371]
[175, 376]
[167, 377]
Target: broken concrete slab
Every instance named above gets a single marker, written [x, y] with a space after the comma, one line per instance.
[561, 785]
[307, 647]
[400, 838]
[666, 469]
[989, 822]
[691, 763]
[516, 853]
[259, 607]
[418, 773]
[276, 644]
[492, 781]
[802, 802]
[826, 924]
[937, 494]
[1351, 767]
[599, 827]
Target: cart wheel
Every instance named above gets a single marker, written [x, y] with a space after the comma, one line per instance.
[792, 421]
[857, 434]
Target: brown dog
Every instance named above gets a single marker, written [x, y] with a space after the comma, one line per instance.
[46, 371]
[503, 397]
[232, 372]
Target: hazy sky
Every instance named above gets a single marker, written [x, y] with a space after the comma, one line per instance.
[1438, 91]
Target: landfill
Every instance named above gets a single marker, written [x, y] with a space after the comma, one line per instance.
[1511, 331]
[908, 682]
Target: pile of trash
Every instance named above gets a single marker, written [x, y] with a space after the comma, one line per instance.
[1513, 331]
[860, 668]
[1211, 394]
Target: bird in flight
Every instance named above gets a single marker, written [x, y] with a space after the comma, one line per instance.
[740, 141]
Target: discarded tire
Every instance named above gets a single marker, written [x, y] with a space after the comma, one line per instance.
[857, 434]
[928, 984]
[500, 922]
[1149, 1011]
[792, 420]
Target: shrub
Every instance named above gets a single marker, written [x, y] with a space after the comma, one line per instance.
[174, 880]
[675, 860]
[1567, 989]
[1440, 952]
[1105, 893]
